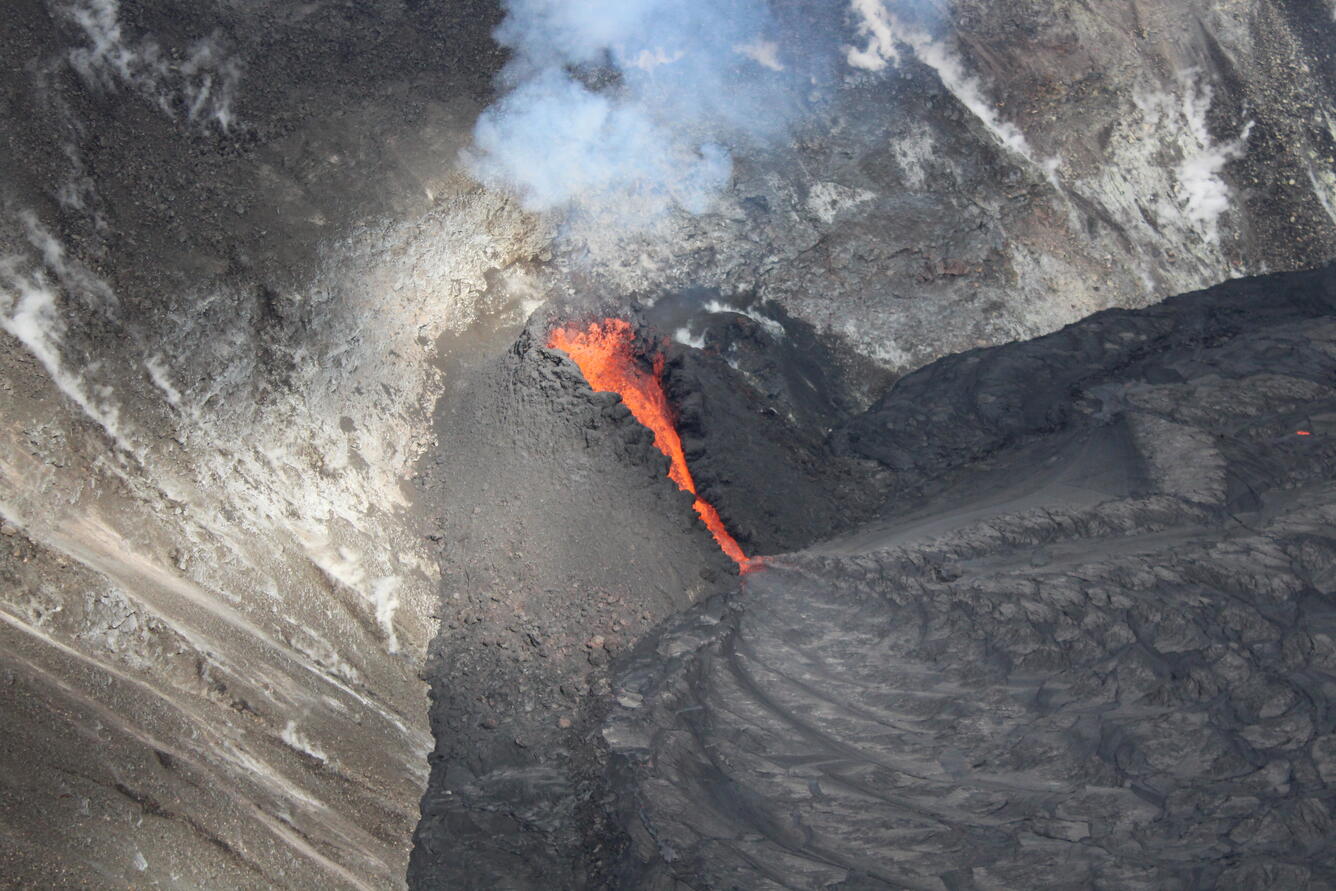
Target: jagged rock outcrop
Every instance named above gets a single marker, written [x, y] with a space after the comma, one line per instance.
[1088, 645]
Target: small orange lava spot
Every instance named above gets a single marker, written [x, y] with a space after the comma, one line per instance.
[603, 352]
[752, 564]
[1303, 433]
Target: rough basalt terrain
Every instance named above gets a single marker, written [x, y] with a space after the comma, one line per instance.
[565, 541]
[1077, 616]
[1088, 645]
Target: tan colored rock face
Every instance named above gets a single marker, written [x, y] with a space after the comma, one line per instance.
[218, 368]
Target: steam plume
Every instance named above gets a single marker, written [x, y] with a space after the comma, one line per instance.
[634, 107]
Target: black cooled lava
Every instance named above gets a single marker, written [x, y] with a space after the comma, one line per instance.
[1085, 642]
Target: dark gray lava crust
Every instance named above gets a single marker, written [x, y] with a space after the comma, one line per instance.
[1087, 641]
[1100, 653]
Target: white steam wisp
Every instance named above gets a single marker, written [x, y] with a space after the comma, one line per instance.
[627, 109]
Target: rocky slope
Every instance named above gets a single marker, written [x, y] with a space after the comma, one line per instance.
[217, 377]
[1012, 167]
[1089, 645]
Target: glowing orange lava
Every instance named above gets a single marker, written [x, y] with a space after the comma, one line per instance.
[603, 352]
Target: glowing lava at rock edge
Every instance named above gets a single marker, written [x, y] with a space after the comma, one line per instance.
[603, 352]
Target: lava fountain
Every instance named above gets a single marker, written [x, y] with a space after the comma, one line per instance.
[603, 352]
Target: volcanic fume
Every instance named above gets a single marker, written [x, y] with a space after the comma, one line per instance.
[604, 352]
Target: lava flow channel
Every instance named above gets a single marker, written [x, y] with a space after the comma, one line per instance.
[603, 352]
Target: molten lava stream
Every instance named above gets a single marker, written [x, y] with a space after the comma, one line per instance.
[603, 352]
